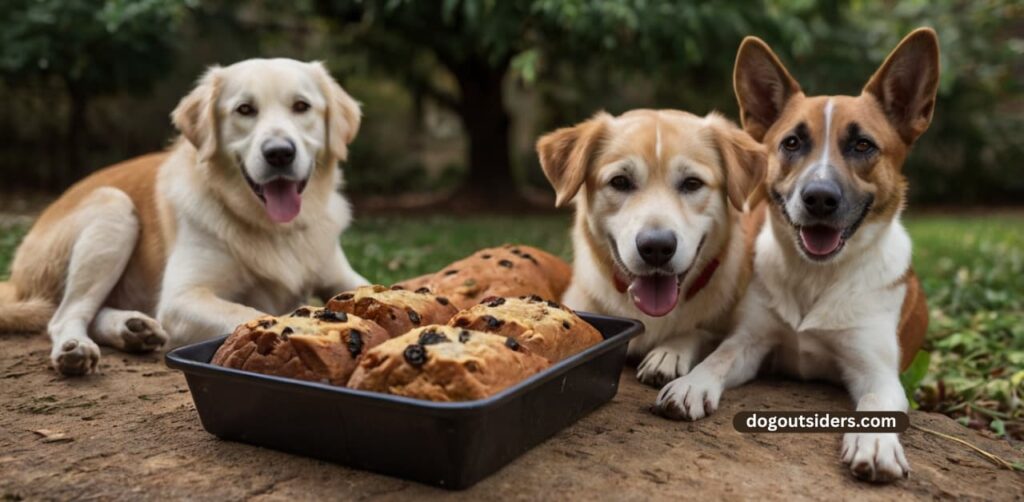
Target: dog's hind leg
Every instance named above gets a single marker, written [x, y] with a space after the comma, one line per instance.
[127, 330]
[107, 229]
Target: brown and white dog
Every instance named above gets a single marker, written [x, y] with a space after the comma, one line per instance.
[658, 231]
[241, 216]
[833, 294]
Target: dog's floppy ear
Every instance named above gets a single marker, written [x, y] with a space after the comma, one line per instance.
[745, 162]
[906, 83]
[566, 155]
[762, 86]
[343, 113]
[196, 114]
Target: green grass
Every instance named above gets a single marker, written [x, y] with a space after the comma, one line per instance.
[972, 269]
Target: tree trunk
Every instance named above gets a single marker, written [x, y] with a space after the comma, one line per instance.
[489, 183]
[69, 171]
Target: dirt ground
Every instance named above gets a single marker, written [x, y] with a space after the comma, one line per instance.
[131, 432]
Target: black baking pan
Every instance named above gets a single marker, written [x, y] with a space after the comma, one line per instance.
[452, 445]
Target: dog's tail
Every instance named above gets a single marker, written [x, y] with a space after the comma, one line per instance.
[23, 315]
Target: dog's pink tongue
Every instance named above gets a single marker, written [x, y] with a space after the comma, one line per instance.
[655, 295]
[819, 239]
[282, 200]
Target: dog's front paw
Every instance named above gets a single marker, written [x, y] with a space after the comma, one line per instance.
[664, 364]
[141, 333]
[75, 356]
[875, 457]
[691, 397]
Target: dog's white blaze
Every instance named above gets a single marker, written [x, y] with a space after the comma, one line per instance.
[821, 171]
[657, 140]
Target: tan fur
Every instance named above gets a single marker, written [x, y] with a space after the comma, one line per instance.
[894, 125]
[123, 224]
[658, 149]
[833, 295]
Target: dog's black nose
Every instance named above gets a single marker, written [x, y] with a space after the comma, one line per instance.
[656, 247]
[278, 152]
[821, 197]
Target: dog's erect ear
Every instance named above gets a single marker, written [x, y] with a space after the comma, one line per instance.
[906, 83]
[762, 86]
[566, 155]
[343, 113]
[196, 114]
[745, 162]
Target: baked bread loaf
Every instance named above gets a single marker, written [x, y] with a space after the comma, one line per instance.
[548, 329]
[395, 310]
[310, 344]
[509, 270]
[444, 363]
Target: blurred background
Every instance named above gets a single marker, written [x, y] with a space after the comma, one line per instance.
[455, 93]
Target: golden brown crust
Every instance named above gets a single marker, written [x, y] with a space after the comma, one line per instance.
[546, 328]
[443, 363]
[509, 270]
[310, 344]
[395, 310]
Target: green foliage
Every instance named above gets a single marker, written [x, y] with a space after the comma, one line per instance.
[973, 273]
[93, 46]
[913, 376]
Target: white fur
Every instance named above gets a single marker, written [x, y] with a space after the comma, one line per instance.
[673, 343]
[226, 261]
[836, 321]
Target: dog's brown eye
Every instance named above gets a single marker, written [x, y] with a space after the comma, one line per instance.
[691, 184]
[246, 109]
[791, 143]
[300, 107]
[621, 183]
[863, 146]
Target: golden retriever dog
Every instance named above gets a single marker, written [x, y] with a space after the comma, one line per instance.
[658, 235]
[239, 217]
[833, 295]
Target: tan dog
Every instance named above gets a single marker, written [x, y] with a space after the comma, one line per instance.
[833, 294]
[242, 216]
[658, 233]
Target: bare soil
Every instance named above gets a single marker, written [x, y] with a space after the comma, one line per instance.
[131, 432]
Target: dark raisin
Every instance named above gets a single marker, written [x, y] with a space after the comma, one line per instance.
[286, 331]
[301, 312]
[497, 302]
[461, 322]
[414, 317]
[451, 272]
[536, 298]
[266, 323]
[485, 256]
[566, 325]
[553, 305]
[528, 256]
[344, 296]
[355, 343]
[423, 290]
[505, 263]
[516, 251]
[488, 299]
[331, 316]
[432, 337]
[415, 355]
[396, 287]
[511, 343]
[442, 300]
[492, 322]
[464, 336]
